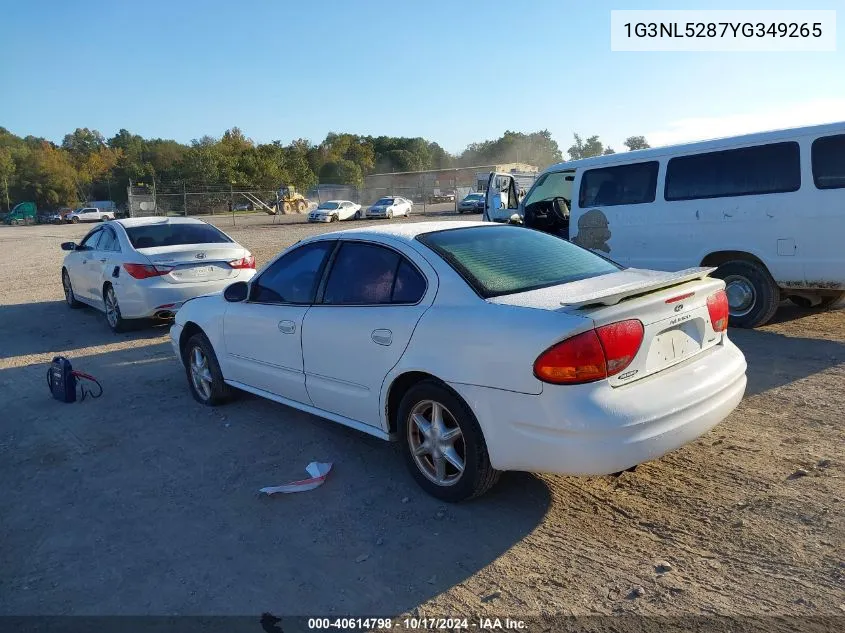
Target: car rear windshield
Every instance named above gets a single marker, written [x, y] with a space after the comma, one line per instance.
[153, 235]
[503, 260]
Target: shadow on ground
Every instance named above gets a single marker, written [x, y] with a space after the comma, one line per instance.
[143, 501]
[50, 326]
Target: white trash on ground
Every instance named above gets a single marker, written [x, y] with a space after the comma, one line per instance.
[318, 471]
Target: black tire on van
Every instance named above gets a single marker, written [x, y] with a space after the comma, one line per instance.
[753, 295]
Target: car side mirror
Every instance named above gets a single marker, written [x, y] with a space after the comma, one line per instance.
[236, 292]
[68, 246]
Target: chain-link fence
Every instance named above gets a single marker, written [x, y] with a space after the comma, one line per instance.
[430, 197]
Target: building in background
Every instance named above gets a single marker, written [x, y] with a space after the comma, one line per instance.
[421, 185]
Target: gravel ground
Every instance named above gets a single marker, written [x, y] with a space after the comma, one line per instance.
[143, 501]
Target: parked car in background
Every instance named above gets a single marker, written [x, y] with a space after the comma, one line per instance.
[441, 196]
[610, 367]
[334, 210]
[389, 207]
[244, 206]
[58, 216]
[148, 267]
[473, 203]
[89, 214]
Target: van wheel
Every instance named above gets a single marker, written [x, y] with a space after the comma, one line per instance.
[443, 445]
[753, 295]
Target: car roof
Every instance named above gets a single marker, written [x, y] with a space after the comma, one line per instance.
[151, 220]
[337, 201]
[402, 232]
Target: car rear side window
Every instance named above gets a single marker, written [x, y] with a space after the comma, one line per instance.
[501, 260]
[828, 157]
[368, 274]
[174, 234]
[622, 184]
[772, 168]
[294, 277]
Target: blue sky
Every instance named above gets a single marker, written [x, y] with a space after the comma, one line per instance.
[452, 72]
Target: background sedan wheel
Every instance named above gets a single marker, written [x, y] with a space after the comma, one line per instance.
[75, 220]
[204, 376]
[113, 316]
[68, 288]
[443, 445]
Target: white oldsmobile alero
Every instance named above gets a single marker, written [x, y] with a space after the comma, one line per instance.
[480, 347]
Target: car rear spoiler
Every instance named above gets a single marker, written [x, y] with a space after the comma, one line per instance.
[615, 294]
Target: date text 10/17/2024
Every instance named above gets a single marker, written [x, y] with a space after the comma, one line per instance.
[417, 624]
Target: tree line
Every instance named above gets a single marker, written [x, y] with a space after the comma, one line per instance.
[88, 166]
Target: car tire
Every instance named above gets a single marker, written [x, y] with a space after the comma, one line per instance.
[334, 218]
[435, 470]
[112, 307]
[389, 214]
[74, 220]
[207, 385]
[358, 215]
[753, 295]
[70, 297]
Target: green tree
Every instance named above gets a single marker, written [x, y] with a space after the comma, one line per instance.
[585, 149]
[7, 171]
[48, 177]
[636, 142]
[341, 172]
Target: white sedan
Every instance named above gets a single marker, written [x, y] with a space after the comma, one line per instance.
[334, 210]
[572, 364]
[390, 207]
[147, 267]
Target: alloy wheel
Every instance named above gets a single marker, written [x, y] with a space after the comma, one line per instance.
[200, 373]
[437, 443]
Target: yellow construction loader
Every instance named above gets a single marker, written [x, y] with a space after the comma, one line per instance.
[288, 200]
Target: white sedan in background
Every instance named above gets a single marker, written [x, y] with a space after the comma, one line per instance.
[147, 267]
[390, 207]
[334, 210]
[572, 365]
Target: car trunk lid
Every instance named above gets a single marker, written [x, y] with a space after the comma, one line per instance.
[192, 263]
[672, 307]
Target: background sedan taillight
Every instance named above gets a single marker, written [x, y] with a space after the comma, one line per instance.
[144, 271]
[592, 355]
[243, 262]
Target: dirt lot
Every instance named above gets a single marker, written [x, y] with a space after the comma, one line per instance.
[145, 502]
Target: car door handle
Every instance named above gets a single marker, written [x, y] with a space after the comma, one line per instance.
[287, 327]
[382, 337]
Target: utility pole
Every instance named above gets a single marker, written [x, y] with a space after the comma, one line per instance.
[6, 186]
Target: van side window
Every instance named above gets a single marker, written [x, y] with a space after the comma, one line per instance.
[624, 184]
[773, 168]
[828, 154]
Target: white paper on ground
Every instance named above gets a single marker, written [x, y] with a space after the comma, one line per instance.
[318, 471]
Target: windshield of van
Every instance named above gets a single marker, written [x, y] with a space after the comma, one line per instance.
[555, 184]
[502, 260]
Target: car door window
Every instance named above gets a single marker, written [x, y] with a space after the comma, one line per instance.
[367, 274]
[108, 242]
[90, 241]
[294, 277]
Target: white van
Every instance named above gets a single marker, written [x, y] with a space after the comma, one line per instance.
[767, 209]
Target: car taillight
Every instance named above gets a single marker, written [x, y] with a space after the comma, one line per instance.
[243, 262]
[590, 356]
[144, 271]
[717, 306]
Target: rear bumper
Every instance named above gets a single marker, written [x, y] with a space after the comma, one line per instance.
[146, 300]
[597, 429]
